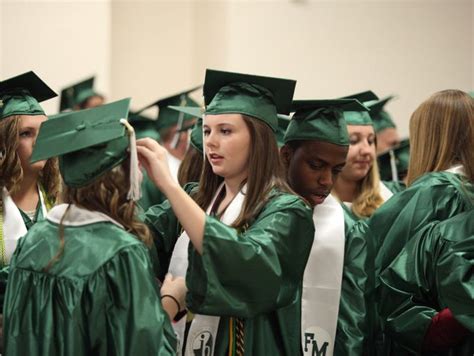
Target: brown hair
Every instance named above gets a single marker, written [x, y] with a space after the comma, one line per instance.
[442, 134]
[190, 168]
[11, 172]
[368, 197]
[265, 173]
[108, 195]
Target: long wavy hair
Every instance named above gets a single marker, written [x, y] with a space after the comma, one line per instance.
[368, 197]
[108, 195]
[11, 172]
[442, 134]
[266, 172]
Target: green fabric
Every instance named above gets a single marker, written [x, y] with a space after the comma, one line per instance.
[38, 216]
[355, 320]
[357, 118]
[196, 137]
[363, 97]
[326, 125]
[168, 117]
[432, 272]
[382, 119]
[436, 196]
[322, 120]
[247, 99]
[76, 94]
[88, 142]
[283, 122]
[19, 103]
[151, 195]
[100, 298]
[402, 159]
[255, 275]
[21, 95]
[395, 187]
[144, 126]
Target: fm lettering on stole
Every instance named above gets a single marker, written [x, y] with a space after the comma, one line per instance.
[316, 342]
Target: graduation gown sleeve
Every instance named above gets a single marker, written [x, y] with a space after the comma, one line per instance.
[165, 229]
[430, 274]
[355, 317]
[246, 273]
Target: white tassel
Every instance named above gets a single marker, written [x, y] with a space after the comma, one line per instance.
[134, 192]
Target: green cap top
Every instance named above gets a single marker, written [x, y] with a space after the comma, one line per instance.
[22, 94]
[168, 117]
[471, 93]
[255, 96]
[144, 126]
[88, 142]
[322, 120]
[364, 96]
[382, 119]
[76, 94]
[394, 162]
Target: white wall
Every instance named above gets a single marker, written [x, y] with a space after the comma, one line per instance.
[62, 41]
[152, 48]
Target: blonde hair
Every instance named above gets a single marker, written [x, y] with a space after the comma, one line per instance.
[442, 134]
[368, 197]
[108, 195]
[265, 169]
[11, 172]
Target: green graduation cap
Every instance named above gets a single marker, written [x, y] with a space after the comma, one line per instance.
[89, 143]
[22, 94]
[168, 117]
[144, 126]
[322, 120]
[471, 93]
[256, 96]
[393, 164]
[283, 122]
[76, 94]
[363, 97]
[381, 119]
[196, 137]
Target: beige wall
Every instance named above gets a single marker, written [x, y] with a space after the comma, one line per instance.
[151, 48]
[62, 41]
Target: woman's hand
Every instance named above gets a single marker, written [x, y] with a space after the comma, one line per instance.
[153, 157]
[173, 295]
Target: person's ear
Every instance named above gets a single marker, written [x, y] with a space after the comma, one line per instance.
[286, 153]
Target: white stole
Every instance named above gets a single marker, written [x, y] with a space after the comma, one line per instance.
[385, 192]
[322, 279]
[457, 169]
[203, 331]
[13, 225]
[78, 216]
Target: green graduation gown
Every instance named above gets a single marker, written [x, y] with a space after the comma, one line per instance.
[395, 187]
[151, 195]
[432, 272]
[434, 196]
[355, 319]
[255, 275]
[99, 298]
